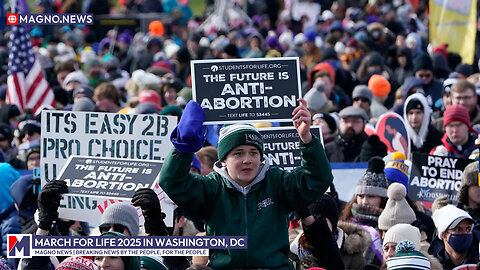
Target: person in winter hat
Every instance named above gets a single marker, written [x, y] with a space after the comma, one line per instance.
[372, 147]
[423, 68]
[380, 87]
[398, 233]
[362, 98]
[370, 195]
[322, 78]
[317, 245]
[456, 243]
[77, 263]
[120, 214]
[459, 137]
[316, 98]
[401, 232]
[423, 135]
[328, 123]
[396, 170]
[373, 182]
[351, 239]
[26, 202]
[347, 145]
[408, 258]
[462, 92]
[117, 262]
[468, 197]
[397, 210]
[243, 176]
[9, 221]
[367, 205]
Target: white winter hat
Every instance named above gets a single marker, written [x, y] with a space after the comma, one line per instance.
[448, 217]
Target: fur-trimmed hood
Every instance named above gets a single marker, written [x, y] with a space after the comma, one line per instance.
[355, 238]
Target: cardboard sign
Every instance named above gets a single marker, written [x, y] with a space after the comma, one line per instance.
[110, 135]
[392, 132]
[246, 90]
[282, 145]
[435, 176]
[108, 177]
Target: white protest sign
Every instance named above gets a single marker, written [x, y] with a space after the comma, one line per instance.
[126, 136]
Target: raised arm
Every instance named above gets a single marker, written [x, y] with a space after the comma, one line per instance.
[302, 120]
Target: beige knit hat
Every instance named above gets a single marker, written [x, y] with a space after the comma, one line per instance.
[396, 210]
[401, 232]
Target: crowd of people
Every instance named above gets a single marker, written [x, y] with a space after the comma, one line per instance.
[358, 60]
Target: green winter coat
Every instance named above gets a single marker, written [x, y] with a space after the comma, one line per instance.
[259, 211]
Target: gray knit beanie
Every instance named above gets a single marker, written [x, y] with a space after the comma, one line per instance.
[123, 214]
[373, 182]
[83, 104]
[397, 210]
[469, 178]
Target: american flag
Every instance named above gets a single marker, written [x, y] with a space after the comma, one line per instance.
[27, 88]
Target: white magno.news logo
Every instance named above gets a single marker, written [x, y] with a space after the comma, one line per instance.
[214, 68]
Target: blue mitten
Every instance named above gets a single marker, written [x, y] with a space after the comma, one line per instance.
[190, 133]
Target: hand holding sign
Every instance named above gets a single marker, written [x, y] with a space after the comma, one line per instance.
[302, 120]
[48, 203]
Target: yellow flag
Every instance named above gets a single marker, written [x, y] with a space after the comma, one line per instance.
[454, 22]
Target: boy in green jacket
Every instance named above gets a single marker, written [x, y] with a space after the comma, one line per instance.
[245, 196]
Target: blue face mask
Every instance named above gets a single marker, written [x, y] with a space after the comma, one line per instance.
[460, 242]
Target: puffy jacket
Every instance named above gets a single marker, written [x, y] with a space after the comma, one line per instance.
[437, 249]
[9, 224]
[258, 211]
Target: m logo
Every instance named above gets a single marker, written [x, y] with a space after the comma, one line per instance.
[19, 245]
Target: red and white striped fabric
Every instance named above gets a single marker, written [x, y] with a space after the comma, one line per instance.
[27, 88]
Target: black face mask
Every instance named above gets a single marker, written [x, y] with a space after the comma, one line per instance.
[460, 242]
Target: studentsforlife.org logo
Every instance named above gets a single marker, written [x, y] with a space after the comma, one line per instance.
[49, 19]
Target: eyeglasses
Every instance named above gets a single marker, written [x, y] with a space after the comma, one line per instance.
[465, 98]
[3, 139]
[116, 227]
[424, 75]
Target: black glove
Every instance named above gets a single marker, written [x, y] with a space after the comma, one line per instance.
[152, 212]
[302, 213]
[49, 201]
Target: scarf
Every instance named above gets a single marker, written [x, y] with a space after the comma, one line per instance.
[366, 214]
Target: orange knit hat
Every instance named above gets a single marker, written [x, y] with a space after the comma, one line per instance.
[156, 28]
[379, 85]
